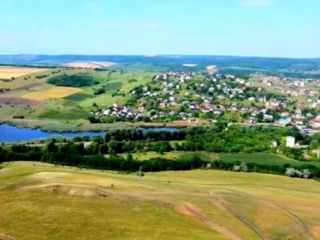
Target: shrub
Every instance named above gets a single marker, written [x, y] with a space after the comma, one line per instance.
[240, 168]
[292, 172]
[140, 173]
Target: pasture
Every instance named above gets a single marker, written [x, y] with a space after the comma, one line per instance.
[52, 93]
[7, 72]
[70, 203]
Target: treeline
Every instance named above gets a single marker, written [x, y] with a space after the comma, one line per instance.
[301, 171]
[72, 154]
[211, 139]
[151, 135]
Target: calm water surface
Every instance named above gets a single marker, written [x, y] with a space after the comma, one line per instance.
[15, 134]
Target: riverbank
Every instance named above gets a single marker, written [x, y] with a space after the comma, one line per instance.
[56, 126]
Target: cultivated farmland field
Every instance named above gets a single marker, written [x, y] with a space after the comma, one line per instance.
[69, 203]
[61, 97]
[90, 65]
[52, 93]
[7, 72]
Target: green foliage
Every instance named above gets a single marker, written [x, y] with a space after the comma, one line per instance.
[235, 139]
[161, 147]
[76, 80]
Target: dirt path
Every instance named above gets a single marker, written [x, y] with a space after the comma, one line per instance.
[296, 219]
[190, 210]
[5, 237]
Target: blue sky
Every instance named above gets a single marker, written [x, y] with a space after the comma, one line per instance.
[277, 28]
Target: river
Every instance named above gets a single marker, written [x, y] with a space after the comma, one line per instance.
[16, 134]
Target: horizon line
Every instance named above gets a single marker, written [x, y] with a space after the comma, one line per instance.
[159, 55]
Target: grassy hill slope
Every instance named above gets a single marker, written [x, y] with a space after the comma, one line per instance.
[41, 201]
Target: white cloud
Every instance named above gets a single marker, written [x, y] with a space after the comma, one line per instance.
[256, 3]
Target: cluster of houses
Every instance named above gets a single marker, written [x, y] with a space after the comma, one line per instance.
[295, 89]
[120, 112]
[185, 95]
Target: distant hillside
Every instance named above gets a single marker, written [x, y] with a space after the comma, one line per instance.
[287, 67]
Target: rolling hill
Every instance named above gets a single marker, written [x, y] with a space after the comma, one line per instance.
[42, 201]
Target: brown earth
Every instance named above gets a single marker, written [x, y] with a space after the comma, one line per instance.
[72, 189]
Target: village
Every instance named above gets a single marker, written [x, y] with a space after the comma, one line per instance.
[189, 96]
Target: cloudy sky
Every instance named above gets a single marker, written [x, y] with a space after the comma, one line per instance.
[276, 28]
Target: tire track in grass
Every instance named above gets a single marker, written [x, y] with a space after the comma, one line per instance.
[220, 201]
[223, 204]
[191, 210]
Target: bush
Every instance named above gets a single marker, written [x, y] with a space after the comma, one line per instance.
[240, 168]
[292, 172]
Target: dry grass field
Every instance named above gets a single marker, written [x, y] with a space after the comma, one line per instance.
[41, 201]
[15, 72]
[52, 93]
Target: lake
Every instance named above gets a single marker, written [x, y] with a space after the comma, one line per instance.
[16, 134]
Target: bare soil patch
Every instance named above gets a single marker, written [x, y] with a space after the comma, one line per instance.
[72, 189]
[80, 191]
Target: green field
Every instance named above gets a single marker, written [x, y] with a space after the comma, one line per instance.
[41, 201]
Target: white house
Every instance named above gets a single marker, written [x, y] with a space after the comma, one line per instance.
[290, 142]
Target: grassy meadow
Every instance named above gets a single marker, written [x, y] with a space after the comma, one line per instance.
[69, 203]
